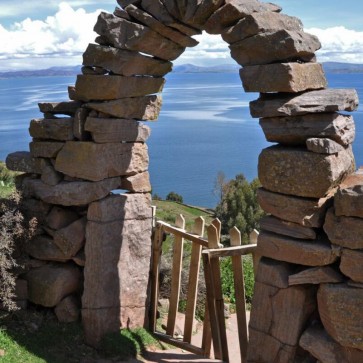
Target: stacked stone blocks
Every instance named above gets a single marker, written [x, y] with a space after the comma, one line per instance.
[311, 237]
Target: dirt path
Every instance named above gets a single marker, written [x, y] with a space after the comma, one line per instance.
[177, 355]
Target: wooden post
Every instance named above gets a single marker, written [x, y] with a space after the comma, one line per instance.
[256, 257]
[215, 276]
[175, 277]
[157, 244]
[207, 334]
[218, 224]
[198, 229]
[239, 289]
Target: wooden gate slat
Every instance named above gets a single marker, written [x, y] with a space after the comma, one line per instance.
[194, 268]
[239, 290]
[175, 277]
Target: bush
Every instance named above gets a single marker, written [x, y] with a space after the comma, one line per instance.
[227, 279]
[6, 176]
[174, 197]
[239, 207]
[14, 232]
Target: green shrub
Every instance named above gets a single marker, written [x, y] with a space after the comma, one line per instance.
[6, 175]
[227, 279]
[174, 197]
[15, 230]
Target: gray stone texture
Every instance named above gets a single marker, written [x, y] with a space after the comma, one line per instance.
[77, 193]
[323, 146]
[348, 200]
[140, 108]
[111, 130]
[114, 87]
[263, 22]
[295, 130]
[96, 162]
[127, 35]
[124, 62]
[283, 77]
[279, 46]
[304, 211]
[301, 252]
[169, 33]
[289, 170]
[49, 284]
[341, 314]
[344, 231]
[351, 263]
[328, 100]
[60, 129]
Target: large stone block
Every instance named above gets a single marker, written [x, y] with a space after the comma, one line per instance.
[60, 129]
[157, 9]
[316, 276]
[295, 130]
[22, 161]
[59, 108]
[231, 12]
[203, 9]
[112, 130]
[167, 32]
[279, 46]
[323, 146]
[114, 87]
[95, 162]
[273, 350]
[328, 100]
[282, 313]
[286, 228]
[67, 311]
[99, 322]
[59, 218]
[305, 211]
[137, 37]
[71, 239]
[283, 77]
[348, 200]
[118, 258]
[70, 193]
[43, 248]
[140, 108]
[341, 313]
[138, 183]
[49, 284]
[351, 264]
[298, 172]
[45, 149]
[301, 252]
[124, 62]
[318, 343]
[265, 22]
[120, 207]
[344, 231]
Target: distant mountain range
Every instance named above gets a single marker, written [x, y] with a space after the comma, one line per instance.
[329, 67]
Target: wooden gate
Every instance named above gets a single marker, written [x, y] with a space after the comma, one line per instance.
[210, 251]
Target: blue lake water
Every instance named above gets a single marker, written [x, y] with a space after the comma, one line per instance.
[204, 128]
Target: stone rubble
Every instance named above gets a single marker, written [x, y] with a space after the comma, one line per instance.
[92, 253]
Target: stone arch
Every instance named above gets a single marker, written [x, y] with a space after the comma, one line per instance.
[76, 161]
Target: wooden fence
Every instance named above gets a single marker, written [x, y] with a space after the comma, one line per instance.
[210, 251]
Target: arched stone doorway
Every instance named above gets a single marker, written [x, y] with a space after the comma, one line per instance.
[76, 162]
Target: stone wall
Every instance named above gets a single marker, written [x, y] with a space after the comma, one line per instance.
[309, 283]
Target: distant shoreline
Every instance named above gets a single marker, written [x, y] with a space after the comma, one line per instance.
[329, 68]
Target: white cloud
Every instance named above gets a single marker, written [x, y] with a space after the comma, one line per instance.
[212, 50]
[64, 35]
[339, 44]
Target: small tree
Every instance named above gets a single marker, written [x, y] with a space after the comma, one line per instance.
[174, 197]
[239, 206]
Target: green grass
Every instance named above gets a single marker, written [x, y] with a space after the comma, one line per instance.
[5, 191]
[167, 211]
[32, 337]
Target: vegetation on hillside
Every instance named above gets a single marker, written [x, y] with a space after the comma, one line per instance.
[238, 205]
[6, 180]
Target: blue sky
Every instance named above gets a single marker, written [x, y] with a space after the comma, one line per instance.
[40, 34]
